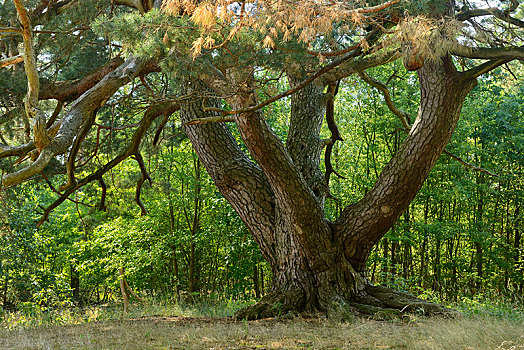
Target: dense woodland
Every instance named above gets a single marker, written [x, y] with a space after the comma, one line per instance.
[155, 226]
[461, 237]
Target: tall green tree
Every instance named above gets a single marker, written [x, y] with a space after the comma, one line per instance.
[236, 52]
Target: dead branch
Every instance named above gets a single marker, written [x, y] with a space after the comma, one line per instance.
[56, 113]
[145, 176]
[70, 164]
[335, 133]
[469, 165]
[162, 125]
[387, 97]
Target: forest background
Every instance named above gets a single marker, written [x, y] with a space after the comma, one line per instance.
[460, 238]
[460, 241]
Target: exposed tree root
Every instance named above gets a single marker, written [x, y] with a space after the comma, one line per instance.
[377, 301]
[385, 298]
[274, 305]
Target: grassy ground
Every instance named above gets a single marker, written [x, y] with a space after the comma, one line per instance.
[223, 333]
[174, 327]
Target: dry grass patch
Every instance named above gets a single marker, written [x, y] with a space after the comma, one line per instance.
[223, 333]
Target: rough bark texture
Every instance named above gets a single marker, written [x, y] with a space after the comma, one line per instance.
[303, 142]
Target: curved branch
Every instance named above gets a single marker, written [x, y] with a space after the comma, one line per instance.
[70, 164]
[56, 113]
[32, 107]
[361, 225]
[335, 133]
[70, 90]
[484, 68]
[489, 52]
[404, 118]
[145, 176]
[469, 165]
[387, 97]
[466, 14]
[289, 187]
[11, 60]
[25, 173]
[7, 151]
[237, 178]
[159, 129]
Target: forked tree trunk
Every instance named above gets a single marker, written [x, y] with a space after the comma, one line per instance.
[319, 265]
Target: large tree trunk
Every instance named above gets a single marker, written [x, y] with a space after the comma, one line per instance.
[319, 265]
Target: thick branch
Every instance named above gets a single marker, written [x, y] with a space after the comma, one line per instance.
[70, 90]
[11, 60]
[7, 151]
[37, 166]
[489, 53]
[361, 225]
[32, 107]
[289, 187]
[466, 14]
[484, 68]
[404, 117]
[303, 143]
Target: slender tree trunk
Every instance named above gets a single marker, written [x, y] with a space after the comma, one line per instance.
[255, 281]
[262, 282]
[5, 288]
[517, 244]
[194, 227]
[75, 283]
[406, 259]
[123, 290]
[174, 259]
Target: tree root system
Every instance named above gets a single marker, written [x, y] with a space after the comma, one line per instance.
[376, 301]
